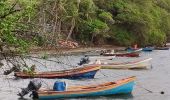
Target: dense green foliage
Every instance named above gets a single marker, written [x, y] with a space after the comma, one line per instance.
[145, 22]
[13, 18]
[124, 22]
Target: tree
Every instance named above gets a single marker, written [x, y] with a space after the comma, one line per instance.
[13, 15]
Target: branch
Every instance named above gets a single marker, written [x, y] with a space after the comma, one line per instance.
[29, 56]
[11, 12]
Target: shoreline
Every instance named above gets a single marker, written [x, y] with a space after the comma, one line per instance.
[82, 49]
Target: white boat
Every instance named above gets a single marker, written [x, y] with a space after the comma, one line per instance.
[93, 58]
[139, 64]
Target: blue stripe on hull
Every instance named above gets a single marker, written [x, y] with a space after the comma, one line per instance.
[126, 88]
[147, 49]
[88, 75]
[130, 50]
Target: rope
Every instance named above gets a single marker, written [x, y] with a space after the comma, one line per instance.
[148, 90]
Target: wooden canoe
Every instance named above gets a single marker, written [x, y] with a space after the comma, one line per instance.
[77, 73]
[134, 53]
[140, 64]
[122, 86]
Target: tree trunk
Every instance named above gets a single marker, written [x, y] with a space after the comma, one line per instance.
[55, 29]
[91, 42]
[72, 28]
[59, 29]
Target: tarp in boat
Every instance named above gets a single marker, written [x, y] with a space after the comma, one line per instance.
[59, 86]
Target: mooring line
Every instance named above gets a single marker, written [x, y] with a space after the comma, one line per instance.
[148, 90]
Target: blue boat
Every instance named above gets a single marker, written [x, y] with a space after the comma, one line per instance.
[129, 49]
[148, 49]
[87, 71]
[122, 86]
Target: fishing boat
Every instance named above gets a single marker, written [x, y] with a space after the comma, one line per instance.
[92, 58]
[134, 53]
[162, 48]
[135, 47]
[140, 64]
[122, 86]
[130, 49]
[149, 49]
[88, 59]
[87, 71]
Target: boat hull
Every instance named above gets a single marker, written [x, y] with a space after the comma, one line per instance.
[72, 74]
[101, 58]
[149, 49]
[133, 49]
[123, 55]
[120, 89]
[143, 64]
[162, 48]
[134, 53]
[89, 75]
[124, 89]
[136, 66]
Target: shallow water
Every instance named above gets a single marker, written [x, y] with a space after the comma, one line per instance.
[148, 86]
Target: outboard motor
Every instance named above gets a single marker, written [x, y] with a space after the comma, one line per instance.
[33, 86]
[13, 69]
[84, 60]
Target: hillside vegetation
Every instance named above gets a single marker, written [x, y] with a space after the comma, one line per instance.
[118, 22]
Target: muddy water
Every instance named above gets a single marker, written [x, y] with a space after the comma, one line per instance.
[148, 86]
